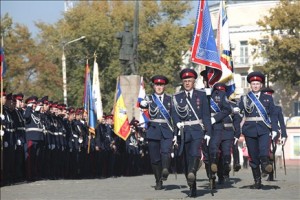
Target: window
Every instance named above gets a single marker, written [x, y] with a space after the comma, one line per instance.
[244, 52]
[244, 83]
[297, 108]
[296, 146]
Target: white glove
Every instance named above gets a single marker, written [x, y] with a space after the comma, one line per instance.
[2, 133]
[180, 124]
[283, 140]
[236, 110]
[141, 139]
[172, 155]
[2, 117]
[144, 103]
[273, 134]
[52, 146]
[80, 140]
[208, 91]
[29, 105]
[212, 120]
[38, 108]
[18, 142]
[5, 144]
[235, 140]
[207, 138]
[175, 140]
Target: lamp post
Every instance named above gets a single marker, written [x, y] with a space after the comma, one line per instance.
[64, 70]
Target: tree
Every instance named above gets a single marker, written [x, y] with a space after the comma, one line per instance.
[283, 46]
[28, 68]
[161, 42]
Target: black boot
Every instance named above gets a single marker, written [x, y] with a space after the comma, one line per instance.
[157, 174]
[226, 167]
[266, 165]
[257, 178]
[237, 167]
[165, 166]
[271, 176]
[193, 190]
[214, 163]
[192, 170]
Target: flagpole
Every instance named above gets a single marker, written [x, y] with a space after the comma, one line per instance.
[1, 129]
[88, 113]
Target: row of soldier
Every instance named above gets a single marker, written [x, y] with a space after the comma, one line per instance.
[205, 127]
[41, 139]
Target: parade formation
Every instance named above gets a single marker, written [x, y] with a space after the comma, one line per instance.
[181, 133]
[43, 139]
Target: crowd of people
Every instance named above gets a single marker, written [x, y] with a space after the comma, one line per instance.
[42, 139]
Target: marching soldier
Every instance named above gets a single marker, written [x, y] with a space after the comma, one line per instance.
[160, 131]
[192, 117]
[260, 124]
[220, 109]
[227, 138]
[281, 131]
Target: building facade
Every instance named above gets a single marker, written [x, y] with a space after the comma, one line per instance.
[243, 28]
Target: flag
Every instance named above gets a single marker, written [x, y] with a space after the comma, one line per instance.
[224, 47]
[204, 49]
[121, 123]
[96, 91]
[89, 104]
[144, 115]
[3, 63]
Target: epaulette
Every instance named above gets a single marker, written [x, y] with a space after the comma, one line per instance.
[200, 90]
[168, 95]
[178, 92]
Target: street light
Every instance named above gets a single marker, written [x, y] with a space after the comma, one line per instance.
[64, 70]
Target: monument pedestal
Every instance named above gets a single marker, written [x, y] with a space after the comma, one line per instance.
[130, 86]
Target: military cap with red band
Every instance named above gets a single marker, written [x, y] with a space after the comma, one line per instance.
[9, 96]
[18, 96]
[31, 99]
[45, 100]
[160, 79]
[188, 73]
[256, 76]
[268, 91]
[220, 86]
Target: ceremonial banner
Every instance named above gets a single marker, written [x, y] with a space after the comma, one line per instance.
[97, 91]
[144, 115]
[224, 47]
[121, 123]
[3, 64]
[204, 49]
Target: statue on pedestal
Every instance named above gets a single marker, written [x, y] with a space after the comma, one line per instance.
[126, 55]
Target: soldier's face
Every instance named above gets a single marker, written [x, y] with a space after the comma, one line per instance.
[188, 83]
[159, 89]
[255, 86]
[3, 100]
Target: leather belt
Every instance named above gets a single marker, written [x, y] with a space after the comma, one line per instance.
[228, 125]
[34, 129]
[21, 128]
[159, 120]
[253, 119]
[194, 122]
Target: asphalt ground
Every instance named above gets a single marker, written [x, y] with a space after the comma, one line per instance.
[142, 187]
